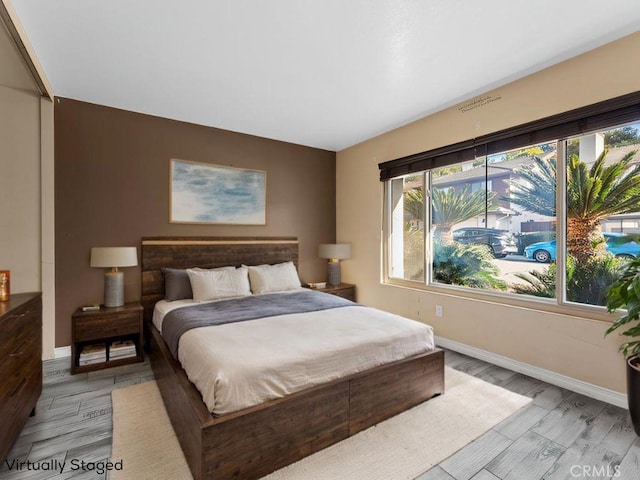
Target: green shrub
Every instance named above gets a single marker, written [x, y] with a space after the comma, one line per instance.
[625, 293]
[466, 265]
[587, 282]
[539, 283]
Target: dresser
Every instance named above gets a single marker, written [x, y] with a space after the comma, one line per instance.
[20, 364]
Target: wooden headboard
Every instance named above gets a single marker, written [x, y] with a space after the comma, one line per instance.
[206, 252]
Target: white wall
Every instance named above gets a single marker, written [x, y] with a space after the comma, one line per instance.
[26, 143]
[20, 188]
[571, 345]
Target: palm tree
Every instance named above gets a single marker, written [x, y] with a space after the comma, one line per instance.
[597, 193]
[535, 187]
[450, 207]
[592, 194]
[414, 204]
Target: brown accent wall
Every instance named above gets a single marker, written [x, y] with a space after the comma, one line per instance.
[112, 188]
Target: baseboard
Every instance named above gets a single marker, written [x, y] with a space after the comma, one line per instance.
[599, 393]
[61, 352]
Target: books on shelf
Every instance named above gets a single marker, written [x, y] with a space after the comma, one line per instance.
[122, 349]
[93, 354]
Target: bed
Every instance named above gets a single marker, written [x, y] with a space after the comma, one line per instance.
[255, 440]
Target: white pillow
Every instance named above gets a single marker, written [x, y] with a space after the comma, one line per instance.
[198, 269]
[217, 284]
[274, 278]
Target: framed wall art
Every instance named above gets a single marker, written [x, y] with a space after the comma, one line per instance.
[206, 193]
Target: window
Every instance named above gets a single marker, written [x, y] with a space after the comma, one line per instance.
[602, 210]
[406, 244]
[479, 216]
[477, 232]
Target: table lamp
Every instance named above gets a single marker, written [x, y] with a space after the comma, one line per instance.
[114, 257]
[334, 252]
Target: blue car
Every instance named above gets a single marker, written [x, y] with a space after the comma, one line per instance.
[545, 252]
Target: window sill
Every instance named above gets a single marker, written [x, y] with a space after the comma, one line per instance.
[543, 305]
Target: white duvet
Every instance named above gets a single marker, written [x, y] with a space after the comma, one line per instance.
[238, 365]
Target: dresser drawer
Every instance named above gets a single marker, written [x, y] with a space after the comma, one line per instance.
[104, 327]
[20, 364]
[21, 344]
[16, 326]
[24, 346]
[18, 402]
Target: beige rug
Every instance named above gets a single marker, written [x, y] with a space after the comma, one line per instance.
[402, 447]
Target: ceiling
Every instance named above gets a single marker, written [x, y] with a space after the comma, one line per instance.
[322, 73]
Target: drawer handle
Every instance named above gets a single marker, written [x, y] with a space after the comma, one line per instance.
[19, 387]
[18, 351]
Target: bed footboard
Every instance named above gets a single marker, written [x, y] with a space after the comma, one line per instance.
[256, 441]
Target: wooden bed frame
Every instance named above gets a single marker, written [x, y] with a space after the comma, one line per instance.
[258, 440]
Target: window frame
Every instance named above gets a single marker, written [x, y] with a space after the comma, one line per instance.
[582, 121]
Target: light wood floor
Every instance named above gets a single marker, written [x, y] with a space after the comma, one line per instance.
[560, 435]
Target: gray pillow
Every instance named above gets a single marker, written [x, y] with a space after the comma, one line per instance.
[177, 285]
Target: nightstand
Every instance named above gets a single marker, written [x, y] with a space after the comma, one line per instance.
[106, 328]
[344, 290]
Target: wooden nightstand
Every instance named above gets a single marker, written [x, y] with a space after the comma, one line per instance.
[344, 290]
[105, 327]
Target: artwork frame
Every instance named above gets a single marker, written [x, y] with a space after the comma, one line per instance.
[206, 193]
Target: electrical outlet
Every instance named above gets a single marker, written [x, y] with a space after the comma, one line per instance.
[439, 311]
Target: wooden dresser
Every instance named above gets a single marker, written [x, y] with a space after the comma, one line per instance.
[20, 364]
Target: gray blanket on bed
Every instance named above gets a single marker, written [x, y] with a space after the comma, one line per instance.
[181, 320]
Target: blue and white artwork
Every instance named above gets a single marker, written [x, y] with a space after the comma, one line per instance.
[204, 193]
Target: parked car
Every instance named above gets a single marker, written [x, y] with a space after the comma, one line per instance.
[615, 244]
[501, 242]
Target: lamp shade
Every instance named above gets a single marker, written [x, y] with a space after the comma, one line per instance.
[114, 257]
[339, 251]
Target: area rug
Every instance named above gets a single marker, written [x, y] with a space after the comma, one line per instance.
[400, 448]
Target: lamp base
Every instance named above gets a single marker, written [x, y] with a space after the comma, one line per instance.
[113, 289]
[333, 273]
